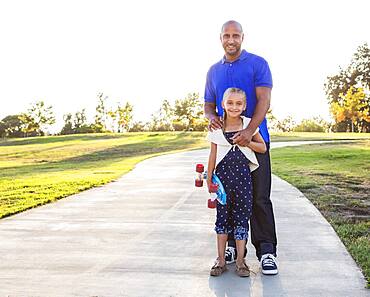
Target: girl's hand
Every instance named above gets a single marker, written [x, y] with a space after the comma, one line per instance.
[209, 182]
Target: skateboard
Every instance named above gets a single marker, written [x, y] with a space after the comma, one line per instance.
[217, 190]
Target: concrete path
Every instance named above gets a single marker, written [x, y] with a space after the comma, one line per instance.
[151, 234]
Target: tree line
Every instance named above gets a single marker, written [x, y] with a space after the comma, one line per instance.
[184, 115]
[288, 124]
[348, 96]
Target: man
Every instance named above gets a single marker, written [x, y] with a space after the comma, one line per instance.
[251, 73]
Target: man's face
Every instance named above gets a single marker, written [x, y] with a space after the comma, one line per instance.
[231, 39]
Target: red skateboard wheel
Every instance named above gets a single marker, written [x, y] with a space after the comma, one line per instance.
[199, 168]
[212, 204]
[199, 183]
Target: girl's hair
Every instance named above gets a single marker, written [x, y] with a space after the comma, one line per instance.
[227, 93]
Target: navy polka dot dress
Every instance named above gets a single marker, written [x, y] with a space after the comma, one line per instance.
[235, 175]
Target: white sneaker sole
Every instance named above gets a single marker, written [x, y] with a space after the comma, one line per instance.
[270, 272]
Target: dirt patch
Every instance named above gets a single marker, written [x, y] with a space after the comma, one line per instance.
[340, 197]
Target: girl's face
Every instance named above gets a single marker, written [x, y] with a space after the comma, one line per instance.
[234, 105]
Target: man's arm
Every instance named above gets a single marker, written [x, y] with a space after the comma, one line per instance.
[210, 104]
[244, 137]
[263, 95]
[210, 113]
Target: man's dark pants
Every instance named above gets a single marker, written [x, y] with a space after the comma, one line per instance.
[262, 222]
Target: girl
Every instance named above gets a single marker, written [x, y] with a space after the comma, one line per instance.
[233, 165]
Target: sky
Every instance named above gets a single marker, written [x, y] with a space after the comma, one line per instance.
[142, 51]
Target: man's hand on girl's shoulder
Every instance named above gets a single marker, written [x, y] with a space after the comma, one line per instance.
[243, 138]
[215, 123]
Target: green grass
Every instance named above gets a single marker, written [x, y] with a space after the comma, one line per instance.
[335, 177]
[38, 170]
[35, 171]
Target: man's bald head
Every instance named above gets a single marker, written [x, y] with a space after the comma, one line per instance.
[232, 22]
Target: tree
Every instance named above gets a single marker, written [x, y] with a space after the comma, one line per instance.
[272, 121]
[349, 87]
[113, 116]
[285, 125]
[101, 114]
[37, 118]
[29, 126]
[76, 124]
[188, 114]
[166, 115]
[163, 119]
[11, 126]
[68, 125]
[79, 122]
[138, 127]
[352, 107]
[2, 129]
[124, 116]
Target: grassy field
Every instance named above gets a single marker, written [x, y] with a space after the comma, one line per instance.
[38, 170]
[335, 177]
[35, 171]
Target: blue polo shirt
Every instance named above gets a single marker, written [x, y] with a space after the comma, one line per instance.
[247, 72]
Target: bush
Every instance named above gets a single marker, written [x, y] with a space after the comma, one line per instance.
[138, 127]
[200, 124]
[179, 125]
[312, 125]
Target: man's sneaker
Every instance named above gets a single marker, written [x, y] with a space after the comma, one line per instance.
[230, 255]
[268, 263]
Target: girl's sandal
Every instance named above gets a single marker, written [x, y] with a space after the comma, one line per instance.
[217, 270]
[242, 271]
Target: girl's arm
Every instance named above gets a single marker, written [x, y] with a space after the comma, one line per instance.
[258, 144]
[211, 164]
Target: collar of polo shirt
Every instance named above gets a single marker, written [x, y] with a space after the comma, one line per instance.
[243, 56]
